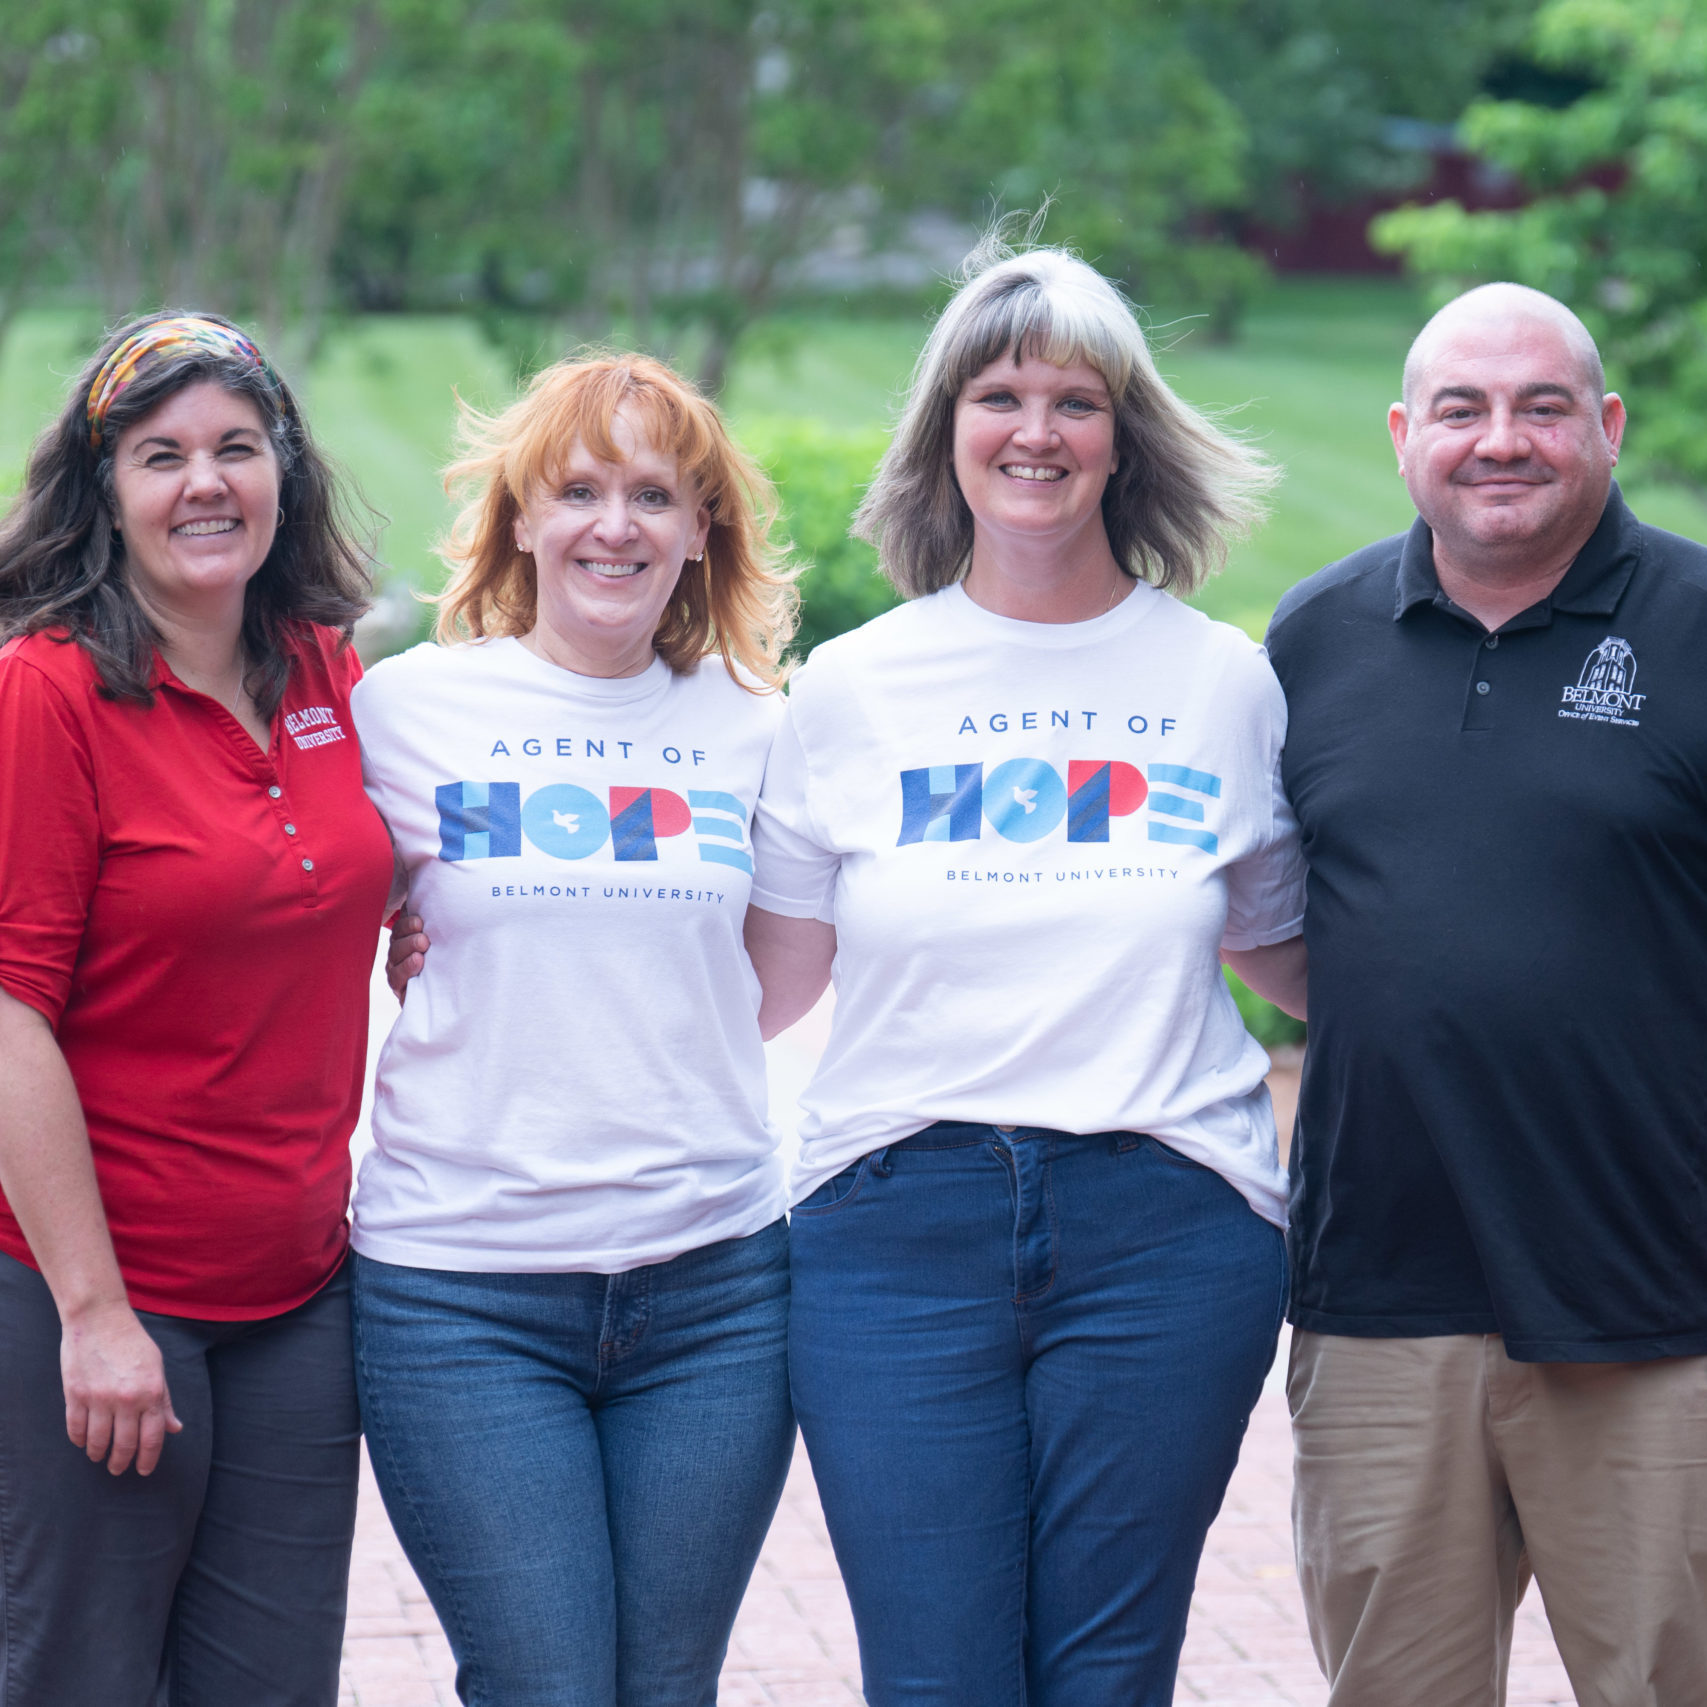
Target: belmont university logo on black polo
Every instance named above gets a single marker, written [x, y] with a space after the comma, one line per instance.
[1605, 692]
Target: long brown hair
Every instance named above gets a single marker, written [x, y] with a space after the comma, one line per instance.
[740, 602]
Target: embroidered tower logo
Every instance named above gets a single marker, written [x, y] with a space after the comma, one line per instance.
[1605, 692]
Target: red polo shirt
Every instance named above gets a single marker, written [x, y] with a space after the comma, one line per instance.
[198, 920]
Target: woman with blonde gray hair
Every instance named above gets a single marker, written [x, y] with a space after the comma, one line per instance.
[1037, 1254]
[571, 1281]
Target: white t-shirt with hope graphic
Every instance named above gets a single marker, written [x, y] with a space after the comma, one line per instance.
[576, 1080]
[1033, 840]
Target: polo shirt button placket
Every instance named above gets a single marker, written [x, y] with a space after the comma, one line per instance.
[1478, 701]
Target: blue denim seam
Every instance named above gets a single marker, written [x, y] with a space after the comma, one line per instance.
[612, 1348]
[1285, 1288]
[1005, 1153]
[1166, 1153]
[464, 1649]
[864, 1173]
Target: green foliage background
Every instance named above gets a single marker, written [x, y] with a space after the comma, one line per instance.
[1618, 229]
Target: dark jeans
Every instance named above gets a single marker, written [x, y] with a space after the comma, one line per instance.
[582, 1467]
[218, 1580]
[1023, 1363]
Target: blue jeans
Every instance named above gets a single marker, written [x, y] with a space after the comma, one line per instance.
[1023, 1363]
[582, 1467]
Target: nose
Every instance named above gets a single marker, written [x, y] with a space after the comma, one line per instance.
[1033, 430]
[1503, 438]
[615, 523]
[204, 477]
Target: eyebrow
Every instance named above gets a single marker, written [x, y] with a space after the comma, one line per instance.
[1525, 393]
[226, 437]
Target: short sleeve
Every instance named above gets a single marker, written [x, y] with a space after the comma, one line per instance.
[50, 839]
[343, 662]
[1265, 889]
[794, 873]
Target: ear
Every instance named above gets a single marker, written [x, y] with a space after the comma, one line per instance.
[1399, 427]
[524, 539]
[701, 530]
[1612, 419]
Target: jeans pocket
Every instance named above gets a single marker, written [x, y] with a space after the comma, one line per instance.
[835, 1191]
[1154, 1147]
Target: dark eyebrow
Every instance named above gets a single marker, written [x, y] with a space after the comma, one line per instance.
[1525, 393]
[226, 437]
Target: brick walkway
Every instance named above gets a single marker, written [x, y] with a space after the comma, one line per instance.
[793, 1646]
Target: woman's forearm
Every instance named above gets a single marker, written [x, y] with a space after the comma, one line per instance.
[46, 1170]
[117, 1406]
[792, 958]
[1278, 973]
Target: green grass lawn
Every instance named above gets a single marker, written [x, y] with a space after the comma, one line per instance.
[1309, 381]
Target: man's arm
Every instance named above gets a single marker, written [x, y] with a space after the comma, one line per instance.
[117, 1406]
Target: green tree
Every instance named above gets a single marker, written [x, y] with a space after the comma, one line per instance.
[57, 130]
[1618, 226]
[191, 151]
[665, 168]
[655, 167]
[1110, 111]
[1319, 84]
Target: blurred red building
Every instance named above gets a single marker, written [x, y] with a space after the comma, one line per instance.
[1316, 233]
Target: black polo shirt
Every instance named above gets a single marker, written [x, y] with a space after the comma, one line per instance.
[1503, 1121]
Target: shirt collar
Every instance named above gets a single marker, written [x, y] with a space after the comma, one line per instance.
[1592, 586]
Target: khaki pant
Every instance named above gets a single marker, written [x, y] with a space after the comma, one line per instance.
[1433, 1476]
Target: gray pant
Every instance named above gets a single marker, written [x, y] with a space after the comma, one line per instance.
[221, 1578]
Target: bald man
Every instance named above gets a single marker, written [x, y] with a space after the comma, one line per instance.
[1498, 756]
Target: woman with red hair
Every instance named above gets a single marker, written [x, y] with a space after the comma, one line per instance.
[572, 1269]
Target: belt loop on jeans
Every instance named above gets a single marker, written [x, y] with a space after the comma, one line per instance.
[881, 1164]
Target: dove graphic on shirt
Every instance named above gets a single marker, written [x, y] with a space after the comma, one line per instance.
[566, 821]
[1026, 797]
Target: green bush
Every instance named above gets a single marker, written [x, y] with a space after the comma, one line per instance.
[821, 473]
[1271, 1027]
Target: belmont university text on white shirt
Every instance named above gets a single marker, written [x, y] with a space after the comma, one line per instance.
[1033, 840]
[576, 1080]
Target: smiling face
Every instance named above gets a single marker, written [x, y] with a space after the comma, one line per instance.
[608, 540]
[1034, 449]
[1505, 442]
[196, 491]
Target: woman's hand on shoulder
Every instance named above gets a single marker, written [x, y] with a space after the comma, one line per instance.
[407, 954]
[117, 1404]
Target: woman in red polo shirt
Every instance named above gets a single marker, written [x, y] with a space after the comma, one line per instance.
[191, 883]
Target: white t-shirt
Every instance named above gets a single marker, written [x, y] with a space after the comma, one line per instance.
[1033, 839]
[576, 1081]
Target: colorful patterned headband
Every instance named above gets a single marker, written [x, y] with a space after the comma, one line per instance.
[181, 332]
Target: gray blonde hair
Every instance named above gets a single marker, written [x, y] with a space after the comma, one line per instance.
[1183, 490]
